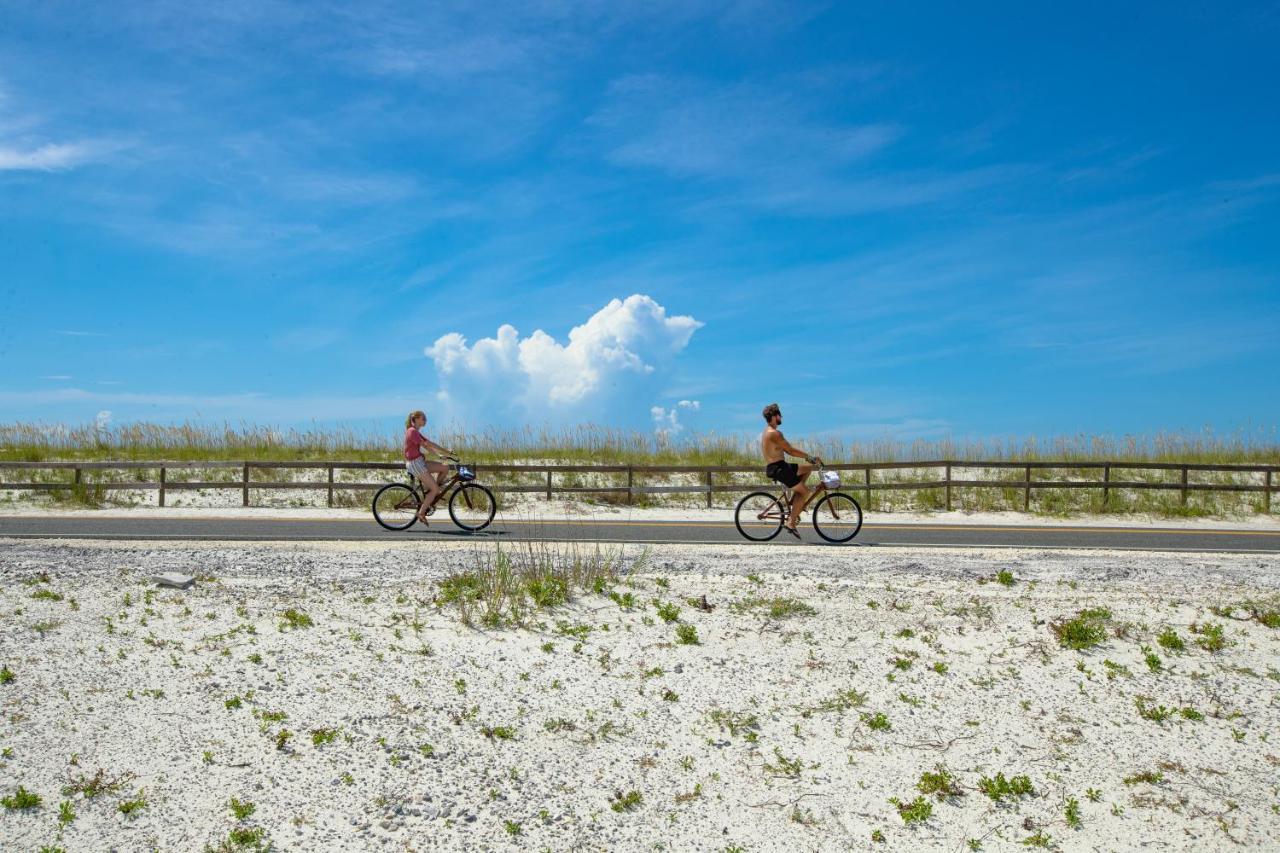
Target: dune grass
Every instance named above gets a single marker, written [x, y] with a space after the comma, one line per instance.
[602, 445]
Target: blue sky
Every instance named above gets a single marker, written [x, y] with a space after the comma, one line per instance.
[913, 222]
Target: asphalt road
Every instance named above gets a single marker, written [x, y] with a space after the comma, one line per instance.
[640, 532]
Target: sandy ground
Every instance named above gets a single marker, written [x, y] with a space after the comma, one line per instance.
[561, 510]
[764, 735]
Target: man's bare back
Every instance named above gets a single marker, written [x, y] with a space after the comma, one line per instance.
[773, 444]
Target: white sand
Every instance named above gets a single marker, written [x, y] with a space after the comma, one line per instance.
[140, 687]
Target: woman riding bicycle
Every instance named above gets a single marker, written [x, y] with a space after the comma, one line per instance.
[419, 467]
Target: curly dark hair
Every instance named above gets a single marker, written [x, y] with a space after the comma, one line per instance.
[770, 411]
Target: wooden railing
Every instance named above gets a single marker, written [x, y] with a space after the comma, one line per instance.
[1265, 476]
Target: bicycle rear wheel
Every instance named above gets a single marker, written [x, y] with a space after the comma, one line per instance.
[395, 506]
[837, 517]
[759, 516]
[472, 507]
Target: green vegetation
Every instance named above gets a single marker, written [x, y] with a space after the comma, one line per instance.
[1209, 637]
[511, 584]
[939, 782]
[877, 722]
[915, 811]
[242, 809]
[294, 618]
[629, 801]
[6, 675]
[590, 444]
[1004, 577]
[998, 788]
[1170, 640]
[1087, 629]
[777, 608]
[687, 635]
[21, 799]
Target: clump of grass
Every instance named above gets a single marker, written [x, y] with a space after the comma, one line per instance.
[1072, 813]
[1210, 637]
[66, 813]
[687, 635]
[668, 612]
[97, 784]
[323, 736]
[788, 767]
[233, 703]
[1039, 839]
[877, 722]
[735, 722]
[1169, 639]
[506, 588]
[1155, 713]
[45, 594]
[998, 788]
[6, 675]
[21, 799]
[1086, 629]
[939, 782]
[630, 801]
[242, 808]
[138, 803]
[282, 738]
[842, 701]
[1189, 713]
[1149, 777]
[294, 618]
[498, 732]
[913, 811]
[777, 608]
[1004, 577]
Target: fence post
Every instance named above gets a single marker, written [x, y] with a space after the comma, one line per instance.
[630, 483]
[548, 484]
[161, 485]
[245, 493]
[1268, 491]
[866, 476]
[948, 487]
[1106, 485]
[1184, 486]
[1026, 493]
[77, 480]
[330, 485]
[708, 490]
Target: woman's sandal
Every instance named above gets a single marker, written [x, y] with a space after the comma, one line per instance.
[791, 530]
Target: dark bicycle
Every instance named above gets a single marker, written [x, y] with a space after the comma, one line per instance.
[836, 516]
[471, 505]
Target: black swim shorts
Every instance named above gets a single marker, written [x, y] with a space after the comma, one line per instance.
[786, 473]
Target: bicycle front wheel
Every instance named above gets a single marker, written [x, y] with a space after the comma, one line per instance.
[759, 516]
[472, 507]
[395, 506]
[837, 517]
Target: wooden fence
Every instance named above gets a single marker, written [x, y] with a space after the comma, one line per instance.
[863, 483]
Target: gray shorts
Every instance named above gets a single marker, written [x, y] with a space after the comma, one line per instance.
[417, 467]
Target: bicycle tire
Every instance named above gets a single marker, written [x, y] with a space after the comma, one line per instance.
[836, 505]
[760, 530]
[396, 498]
[467, 493]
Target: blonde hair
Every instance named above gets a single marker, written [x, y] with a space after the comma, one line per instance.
[413, 416]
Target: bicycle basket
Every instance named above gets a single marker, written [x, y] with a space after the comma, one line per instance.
[831, 479]
[465, 473]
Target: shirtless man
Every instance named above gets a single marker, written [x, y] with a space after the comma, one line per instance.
[774, 446]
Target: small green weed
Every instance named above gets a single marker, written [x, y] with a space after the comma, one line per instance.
[998, 788]
[915, 811]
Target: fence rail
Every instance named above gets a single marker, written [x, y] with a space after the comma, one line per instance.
[947, 468]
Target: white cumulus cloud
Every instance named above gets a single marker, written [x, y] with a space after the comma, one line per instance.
[668, 422]
[610, 370]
